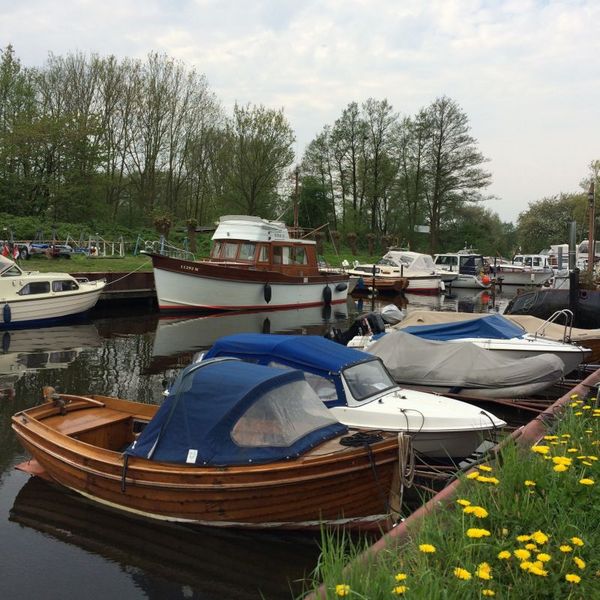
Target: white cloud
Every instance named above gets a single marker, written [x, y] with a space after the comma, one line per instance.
[523, 70]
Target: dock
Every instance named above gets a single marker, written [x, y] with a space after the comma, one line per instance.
[124, 287]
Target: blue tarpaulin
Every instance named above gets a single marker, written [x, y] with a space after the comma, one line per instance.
[491, 326]
[195, 422]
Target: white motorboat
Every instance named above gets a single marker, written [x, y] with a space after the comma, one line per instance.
[415, 270]
[31, 298]
[463, 367]
[501, 336]
[525, 269]
[357, 388]
[254, 265]
[467, 268]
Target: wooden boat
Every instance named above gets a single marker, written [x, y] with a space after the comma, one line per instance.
[254, 265]
[31, 298]
[233, 444]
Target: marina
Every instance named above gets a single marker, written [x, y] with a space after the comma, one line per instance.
[132, 354]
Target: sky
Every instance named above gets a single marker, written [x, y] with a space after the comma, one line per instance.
[525, 72]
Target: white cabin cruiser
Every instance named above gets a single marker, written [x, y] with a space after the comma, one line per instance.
[467, 268]
[358, 389]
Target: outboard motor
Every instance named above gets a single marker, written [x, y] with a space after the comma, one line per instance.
[369, 324]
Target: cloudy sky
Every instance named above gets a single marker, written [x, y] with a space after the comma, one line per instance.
[524, 71]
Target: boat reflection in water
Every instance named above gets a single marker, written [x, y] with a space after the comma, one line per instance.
[215, 563]
[32, 350]
[180, 338]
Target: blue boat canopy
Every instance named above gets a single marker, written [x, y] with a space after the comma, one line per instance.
[310, 352]
[228, 412]
[491, 326]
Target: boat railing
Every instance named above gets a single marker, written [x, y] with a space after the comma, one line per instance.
[161, 246]
[568, 319]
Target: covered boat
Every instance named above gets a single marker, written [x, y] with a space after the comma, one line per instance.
[233, 444]
[501, 336]
[463, 367]
[359, 391]
[254, 264]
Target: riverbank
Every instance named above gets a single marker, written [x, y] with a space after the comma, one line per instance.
[524, 526]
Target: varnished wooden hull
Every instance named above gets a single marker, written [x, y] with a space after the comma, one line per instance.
[331, 483]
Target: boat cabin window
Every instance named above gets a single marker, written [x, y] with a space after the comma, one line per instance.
[247, 251]
[35, 287]
[298, 256]
[230, 250]
[289, 255]
[65, 285]
[281, 417]
[12, 271]
[263, 253]
[446, 261]
[216, 250]
[368, 379]
[323, 387]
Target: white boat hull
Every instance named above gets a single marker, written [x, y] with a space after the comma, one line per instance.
[51, 307]
[510, 277]
[180, 292]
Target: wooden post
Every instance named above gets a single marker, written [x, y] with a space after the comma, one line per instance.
[592, 230]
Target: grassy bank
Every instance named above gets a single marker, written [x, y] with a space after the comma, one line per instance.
[526, 527]
[78, 263]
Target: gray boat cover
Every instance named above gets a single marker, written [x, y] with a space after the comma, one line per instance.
[460, 365]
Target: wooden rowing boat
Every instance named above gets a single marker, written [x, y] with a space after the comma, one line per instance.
[139, 458]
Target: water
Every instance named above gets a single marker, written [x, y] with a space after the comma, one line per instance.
[56, 545]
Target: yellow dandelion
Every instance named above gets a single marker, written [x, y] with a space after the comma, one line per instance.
[586, 407]
[342, 589]
[550, 437]
[537, 570]
[399, 590]
[484, 479]
[504, 555]
[476, 511]
[504, 531]
[523, 538]
[531, 546]
[562, 460]
[427, 548]
[400, 576]
[539, 537]
[592, 457]
[484, 571]
[566, 435]
[473, 475]
[574, 396]
[543, 557]
[462, 574]
[577, 541]
[475, 532]
[572, 450]
[587, 463]
[541, 449]
[463, 502]
[586, 481]
[579, 562]
[522, 554]
[488, 592]
[560, 468]
[525, 565]
[565, 548]
[572, 578]
[578, 413]
[485, 468]
[529, 483]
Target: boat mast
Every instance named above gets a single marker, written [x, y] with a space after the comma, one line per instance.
[592, 232]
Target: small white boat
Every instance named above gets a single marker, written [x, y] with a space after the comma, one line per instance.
[416, 271]
[359, 391]
[501, 336]
[254, 265]
[525, 269]
[467, 268]
[31, 298]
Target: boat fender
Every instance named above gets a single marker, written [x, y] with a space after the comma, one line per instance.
[340, 287]
[6, 341]
[266, 328]
[327, 294]
[326, 312]
[6, 313]
[267, 292]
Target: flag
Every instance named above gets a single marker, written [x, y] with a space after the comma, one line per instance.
[16, 252]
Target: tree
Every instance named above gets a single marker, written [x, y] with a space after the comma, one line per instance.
[546, 221]
[256, 152]
[452, 170]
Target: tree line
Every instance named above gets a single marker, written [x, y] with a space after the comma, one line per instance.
[135, 142]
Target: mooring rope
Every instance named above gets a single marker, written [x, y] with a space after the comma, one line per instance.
[128, 274]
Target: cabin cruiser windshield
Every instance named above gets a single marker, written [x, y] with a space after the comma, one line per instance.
[368, 379]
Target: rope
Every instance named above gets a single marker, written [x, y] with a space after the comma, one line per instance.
[128, 274]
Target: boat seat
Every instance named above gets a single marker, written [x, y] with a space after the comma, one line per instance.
[82, 421]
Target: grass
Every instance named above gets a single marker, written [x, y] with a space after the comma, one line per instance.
[526, 528]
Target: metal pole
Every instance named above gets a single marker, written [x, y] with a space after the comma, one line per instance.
[296, 204]
[591, 235]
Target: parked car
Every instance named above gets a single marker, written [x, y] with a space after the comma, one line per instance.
[52, 250]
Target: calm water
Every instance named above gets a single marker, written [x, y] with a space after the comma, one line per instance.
[56, 545]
